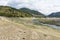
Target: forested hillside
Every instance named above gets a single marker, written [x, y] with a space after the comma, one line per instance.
[12, 12]
[22, 12]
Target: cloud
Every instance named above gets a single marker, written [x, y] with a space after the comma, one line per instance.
[3, 2]
[44, 6]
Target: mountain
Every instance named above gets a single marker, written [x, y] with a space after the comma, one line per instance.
[12, 12]
[33, 12]
[55, 14]
[22, 12]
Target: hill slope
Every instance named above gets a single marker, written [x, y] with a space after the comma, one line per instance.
[14, 31]
[23, 12]
[55, 14]
[33, 12]
[12, 12]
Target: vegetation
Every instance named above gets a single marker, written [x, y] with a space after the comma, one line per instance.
[10, 30]
[23, 12]
[13, 27]
[12, 12]
[53, 21]
[33, 12]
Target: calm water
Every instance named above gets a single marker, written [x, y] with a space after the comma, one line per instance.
[38, 22]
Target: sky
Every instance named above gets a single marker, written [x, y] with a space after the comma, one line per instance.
[44, 6]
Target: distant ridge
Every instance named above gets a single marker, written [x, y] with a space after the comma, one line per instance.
[55, 14]
[33, 12]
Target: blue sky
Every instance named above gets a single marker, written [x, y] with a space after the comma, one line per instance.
[44, 6]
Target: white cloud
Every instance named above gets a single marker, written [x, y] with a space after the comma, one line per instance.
[3, 2]
[44, 6]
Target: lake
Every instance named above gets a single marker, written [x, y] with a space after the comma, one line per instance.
[50, 25]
